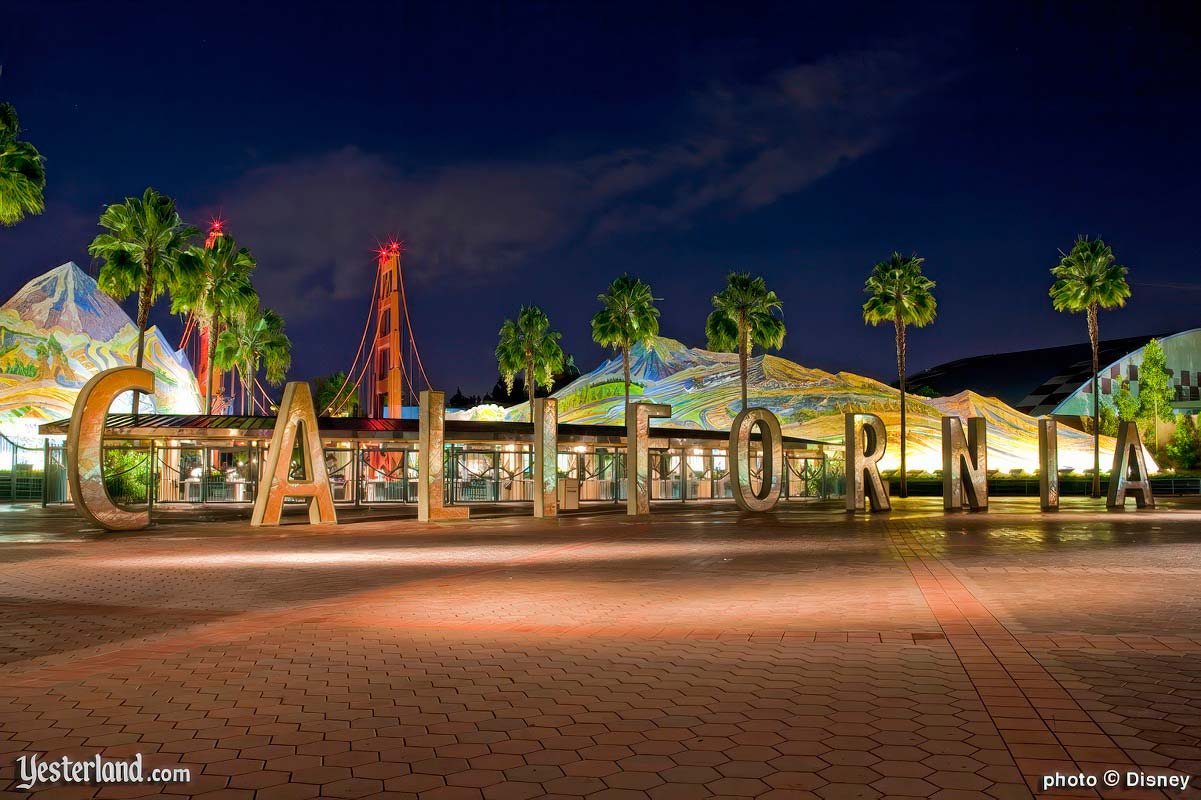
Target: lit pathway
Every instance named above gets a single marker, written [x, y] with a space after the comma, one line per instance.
[700, 654]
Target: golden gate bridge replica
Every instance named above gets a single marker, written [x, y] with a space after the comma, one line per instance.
[389, 372]
[385, 376]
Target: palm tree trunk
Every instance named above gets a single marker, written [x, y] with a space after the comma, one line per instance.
[529, 385]
[1093, 339]
[625, 363]
[900, 326]
[246, 389]
[743, 336]
[144, 297]
[209, 357]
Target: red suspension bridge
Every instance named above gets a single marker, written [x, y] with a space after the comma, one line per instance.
[386, 373]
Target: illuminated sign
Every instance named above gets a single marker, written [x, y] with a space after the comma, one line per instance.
[964, 464]
[1129, 472]
[638, 462]
[740, 459]
[546, 457]
[85, 447]
[296, 423]
[431, 467]
[865, 442]
[1048, 465]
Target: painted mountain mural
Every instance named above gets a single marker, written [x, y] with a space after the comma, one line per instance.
[57, 332]
[703, 390]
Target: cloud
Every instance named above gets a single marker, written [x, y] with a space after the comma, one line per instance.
[736, 148]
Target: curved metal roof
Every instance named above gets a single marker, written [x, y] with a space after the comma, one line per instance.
[1035, 382]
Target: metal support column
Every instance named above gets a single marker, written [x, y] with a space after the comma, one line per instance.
[45, 470]
[496, 474]
[152, 483]
[204, 474]
[357, 472]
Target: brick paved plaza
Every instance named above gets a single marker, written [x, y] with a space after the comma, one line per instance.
[698, 654]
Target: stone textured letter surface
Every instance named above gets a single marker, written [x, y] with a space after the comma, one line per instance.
[431, 468]
[865, 443]
[85, 447]
[297, 422]
[1048, 464]
[772, 439]
[546, 457]
[638, 462]
[1129, 473]
[964, 464]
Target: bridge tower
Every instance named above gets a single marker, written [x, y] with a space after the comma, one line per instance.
[216, 231]
[387, 371]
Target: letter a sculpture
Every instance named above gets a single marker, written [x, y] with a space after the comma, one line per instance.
[297, 421]
[1129, 472]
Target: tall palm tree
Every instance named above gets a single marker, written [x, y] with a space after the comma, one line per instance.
[22, 174]
[215, 288]
[530, 346]
[628, 318]
[1089, 279]
[900, 294]
[743, 316]
[254, 339]
[141, 253]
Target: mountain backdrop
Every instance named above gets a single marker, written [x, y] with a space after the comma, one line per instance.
[57, 332]
[703, 390]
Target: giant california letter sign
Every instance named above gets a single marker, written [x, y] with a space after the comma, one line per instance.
[964, 464]
[865, 443]
[296, 412]
[1048, 464]
[546, 457]
[85, 443]
[638, 461]
[431, 461]
[740, 459]
[1129, 472]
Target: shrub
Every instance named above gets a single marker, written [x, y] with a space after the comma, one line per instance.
[1184, 449]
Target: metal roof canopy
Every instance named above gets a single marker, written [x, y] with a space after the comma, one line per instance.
[220, 428]
[1032, 381]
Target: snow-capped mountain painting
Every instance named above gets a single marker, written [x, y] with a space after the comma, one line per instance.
[57, 332]
[703, 390]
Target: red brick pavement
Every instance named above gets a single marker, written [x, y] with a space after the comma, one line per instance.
[701, 654]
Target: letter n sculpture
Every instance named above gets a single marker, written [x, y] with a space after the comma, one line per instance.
[964, 464]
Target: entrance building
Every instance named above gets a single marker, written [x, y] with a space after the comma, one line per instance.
[206, 459]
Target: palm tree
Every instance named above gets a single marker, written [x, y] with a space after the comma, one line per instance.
[628, 318]
[254, 339]
[900, 294]
[743, 316]
[141, 254]
[336, 397]
[215, 287]
[1088, 279]
[22, 174]
[530, 346]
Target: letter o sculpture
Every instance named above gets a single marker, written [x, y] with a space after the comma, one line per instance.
[740, 459]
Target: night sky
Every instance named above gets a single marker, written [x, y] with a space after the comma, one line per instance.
[529, 153]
